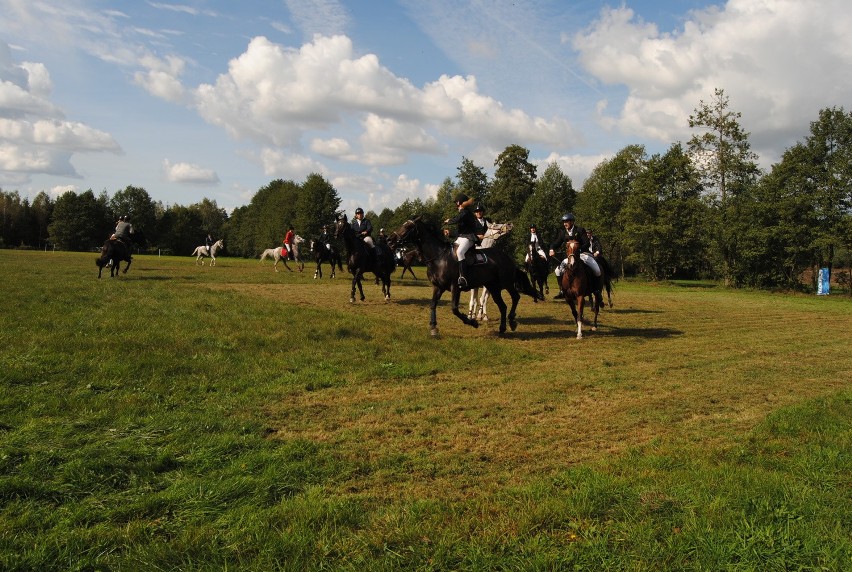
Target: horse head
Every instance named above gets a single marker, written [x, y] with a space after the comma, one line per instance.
[404, 233]
[340, 225]
[572, 251]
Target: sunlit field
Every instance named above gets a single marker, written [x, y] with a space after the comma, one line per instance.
[183, 417]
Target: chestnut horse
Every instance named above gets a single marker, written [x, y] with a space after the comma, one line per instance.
[578, 281]
[498, 272]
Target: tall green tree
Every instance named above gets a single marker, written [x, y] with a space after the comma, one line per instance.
[602, 198]
[723, 155]
[513, 185]
[316, 205]
[80, 222]
[473, 181]
[42, 213]
[662, 217]
[553, 196]
[15, 220]
[829, 147]
[136, 203]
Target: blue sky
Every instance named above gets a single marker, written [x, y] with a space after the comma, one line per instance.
[384, 97]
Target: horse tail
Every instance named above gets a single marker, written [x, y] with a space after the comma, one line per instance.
[524, 286]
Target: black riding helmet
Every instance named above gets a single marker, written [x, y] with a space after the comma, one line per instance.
[567, 216]
[359, 210]
[478, 209]
[461, 197]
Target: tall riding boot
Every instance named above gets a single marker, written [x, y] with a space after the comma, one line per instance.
[560, 294]
[462, 279]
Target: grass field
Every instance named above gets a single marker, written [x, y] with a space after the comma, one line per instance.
[194, 418]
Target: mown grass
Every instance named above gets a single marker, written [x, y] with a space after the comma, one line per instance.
[184, 417]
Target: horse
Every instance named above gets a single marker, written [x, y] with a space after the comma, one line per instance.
[577, 282]
[538, 268]
[406, 259]
[479, 296]
[361, 258]
[112, 253]
[496, 272]
[279, 255]
[201, 251]
[325, 252]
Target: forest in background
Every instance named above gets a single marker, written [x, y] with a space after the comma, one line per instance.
[700, 210]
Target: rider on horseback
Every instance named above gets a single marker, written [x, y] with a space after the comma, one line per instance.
[535, 242]
[481, 222]
[123, 230]
[467, 233]
[570, 231]
[363, 227]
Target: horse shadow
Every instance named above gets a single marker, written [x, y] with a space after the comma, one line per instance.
[563, 329]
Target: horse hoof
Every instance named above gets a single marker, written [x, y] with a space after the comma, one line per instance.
[352, 300]
[513, 325]
[474, 323]
[594, 328]
[434, 333]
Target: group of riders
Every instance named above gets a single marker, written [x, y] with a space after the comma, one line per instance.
[472, 226]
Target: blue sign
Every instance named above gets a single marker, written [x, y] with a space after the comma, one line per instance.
[822, 282]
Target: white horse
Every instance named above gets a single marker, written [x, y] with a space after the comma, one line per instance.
[201, 251]
[479, 296]
[277, 254]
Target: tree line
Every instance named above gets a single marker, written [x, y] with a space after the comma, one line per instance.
[698, 210]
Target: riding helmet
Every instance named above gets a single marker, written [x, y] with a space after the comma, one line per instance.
[461, 197]
[479, 209]
[533, 227]
[359, 210]
[568, 216]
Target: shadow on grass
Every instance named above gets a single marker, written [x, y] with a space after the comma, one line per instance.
[568, 330]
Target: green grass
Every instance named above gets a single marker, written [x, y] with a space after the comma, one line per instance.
[194, 418]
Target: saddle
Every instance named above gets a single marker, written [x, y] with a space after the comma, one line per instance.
[473, 257]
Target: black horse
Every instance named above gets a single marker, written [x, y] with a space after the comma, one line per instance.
[113, 252]
[361, 258]
[538, 269]
[497, 272]
[325, 252]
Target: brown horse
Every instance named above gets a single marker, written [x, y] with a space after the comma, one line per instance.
[498, 272]
[577, 283]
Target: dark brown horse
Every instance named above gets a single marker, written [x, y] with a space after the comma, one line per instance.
[113, 253]
[406, 259]
[497, 272]
[578, 281]
[361, 258]
[538, 268]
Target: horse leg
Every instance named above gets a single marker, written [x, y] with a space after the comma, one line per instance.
[317, 272]
[483, 305]
[597, 302]
[474, 296]
[516, 296]
[498, 299]
[581, 301]
[433, 314]
[126, 268]
[456, 296]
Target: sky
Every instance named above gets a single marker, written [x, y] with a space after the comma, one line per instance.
[384, 98]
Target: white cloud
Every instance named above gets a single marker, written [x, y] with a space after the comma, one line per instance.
[188, 173]
[776, 61]
[35, 137]
[295, 166]
[274, 95]
[336, 147]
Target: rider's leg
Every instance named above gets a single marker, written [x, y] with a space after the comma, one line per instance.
[590, 262]
[464, 245]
